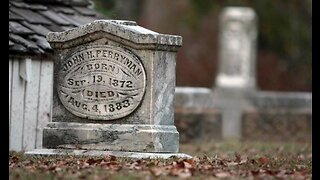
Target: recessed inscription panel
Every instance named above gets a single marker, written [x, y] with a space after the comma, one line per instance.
[101, 82]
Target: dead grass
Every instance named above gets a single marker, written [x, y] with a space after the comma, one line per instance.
[226, 160]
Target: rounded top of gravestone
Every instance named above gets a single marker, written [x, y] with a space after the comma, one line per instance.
[240, 13]
[118, 30]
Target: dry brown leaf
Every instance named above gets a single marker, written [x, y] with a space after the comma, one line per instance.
[51, 168]
[14, 159]
[136, 165]
[272, 172]
[238, 157]
[192, 161]
[112, 158]
[263, 160]
[207, 167]
[222, 174]
[114, 166]
[255, 172]
[187, 165]
[156, 171]
[181, 173]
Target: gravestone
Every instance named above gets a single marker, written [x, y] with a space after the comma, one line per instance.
[234, 107]
[236, 79]
[237, 49]
[114, 84]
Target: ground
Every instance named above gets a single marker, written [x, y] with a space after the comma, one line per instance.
[220, 160]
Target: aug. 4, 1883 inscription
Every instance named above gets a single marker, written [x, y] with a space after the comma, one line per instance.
[101, 82]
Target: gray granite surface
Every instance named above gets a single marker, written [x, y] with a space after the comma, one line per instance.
[113, 89]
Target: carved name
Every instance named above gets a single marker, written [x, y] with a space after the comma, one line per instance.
[101, 82]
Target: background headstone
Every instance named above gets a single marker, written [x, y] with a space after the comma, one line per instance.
[236, 79]
[237, 48]
[234, 108]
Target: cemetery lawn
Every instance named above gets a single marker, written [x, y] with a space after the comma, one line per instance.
[227, 160]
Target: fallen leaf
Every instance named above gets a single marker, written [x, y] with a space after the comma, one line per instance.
[114, 166]
[255, 172]
[238, 157]
[111, 157]
[263, 160]
[14, 159]
[187, 165]
[222, 174]
[51, 168]
[156, 171]
[181, 173]
[192, 161]
[206, 167]
[90, 161]
[272, 172]
[178, 164]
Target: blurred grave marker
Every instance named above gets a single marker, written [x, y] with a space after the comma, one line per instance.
[236, 78]
[237, 49]
[234, 103]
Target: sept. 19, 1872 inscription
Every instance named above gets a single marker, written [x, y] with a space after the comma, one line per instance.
[101, 82]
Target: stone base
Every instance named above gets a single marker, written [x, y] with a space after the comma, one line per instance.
[277, 125]
[111, 137]
[97, 153]
[198, 125]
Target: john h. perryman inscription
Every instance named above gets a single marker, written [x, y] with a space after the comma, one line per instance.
[101, 82]
[113, 70]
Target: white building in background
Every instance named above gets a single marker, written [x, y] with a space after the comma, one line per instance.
[31, 63]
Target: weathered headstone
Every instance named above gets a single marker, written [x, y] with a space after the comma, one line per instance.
[237, 49]
[114, 85]
[236, 78]
[235, 82]
[245, 112]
